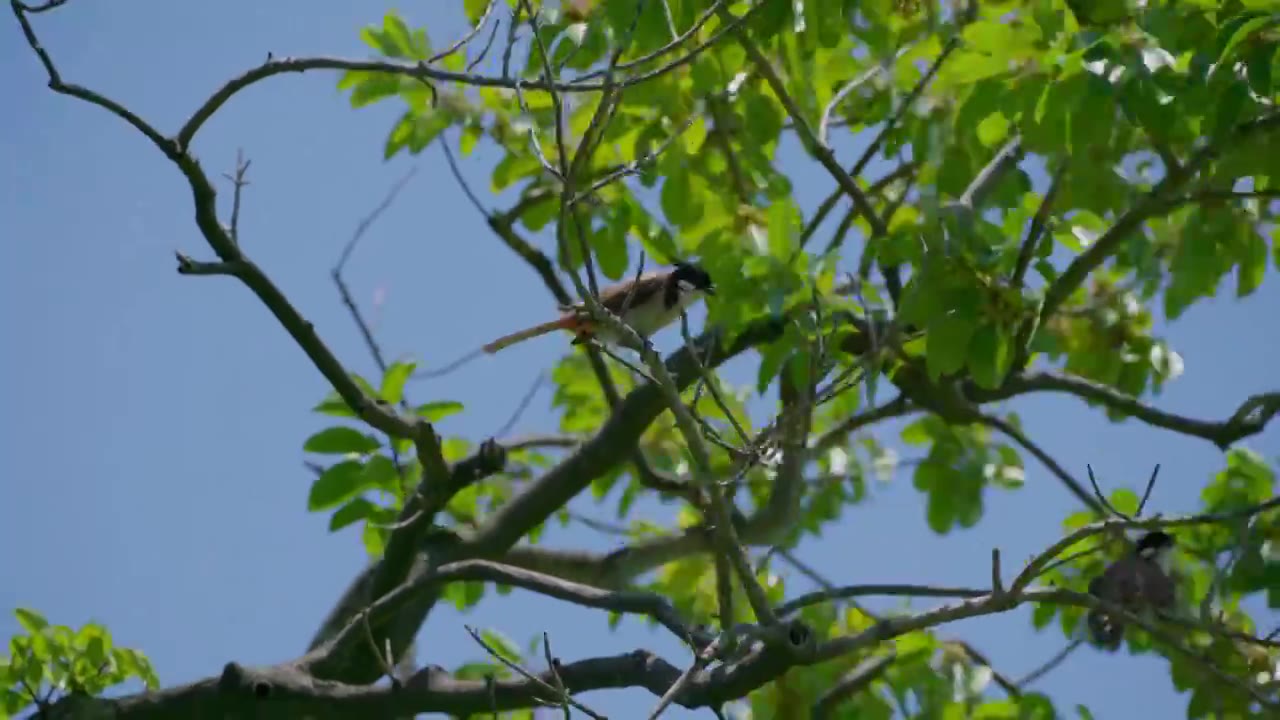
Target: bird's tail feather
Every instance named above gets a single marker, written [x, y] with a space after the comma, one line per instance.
[563, 323]
[1104, 629]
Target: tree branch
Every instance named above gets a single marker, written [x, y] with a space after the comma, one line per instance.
[1249, 419]
[288, 689]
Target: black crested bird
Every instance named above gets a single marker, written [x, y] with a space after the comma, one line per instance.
[647, 304]
[1141, 579]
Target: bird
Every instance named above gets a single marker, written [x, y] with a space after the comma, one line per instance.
[647, 304]
[1141, 579]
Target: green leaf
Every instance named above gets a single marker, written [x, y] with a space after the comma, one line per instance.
[479, 671]
[96, 644]
[426, 127]
[1252, 261]
[336, 485]
[355, 510]
[475, 9]
[948, 339]
[1042, 615]
[438, 410]
[610, 243]
[375, 540]
[996, 710]
[784, 222]
[399, 136]
[1242, 33]
[917, 432]
[771, 359]
[989, 357]
[31, 621]
[502, 644]
[970, 67]
[370, 87]
[1194, 271]
[340, 440]
[1258, 62]
[1229, 106]
[380, 472]
[940, 513]
[334, 405]
[393, 381]
[675, 196]
[993, 129]
[1124, 500]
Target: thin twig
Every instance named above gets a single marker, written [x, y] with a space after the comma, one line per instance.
[553, 666]
[239, 183]
[336, 273]
[456, 46]
[1039, 222]
[538, 382]
[457, 175]
[852, 85]
[1044, 457]
[564, 696]
[1050, 664]
[700, 661]
[712, 382]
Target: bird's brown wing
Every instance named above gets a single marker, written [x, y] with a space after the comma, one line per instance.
[614, 296]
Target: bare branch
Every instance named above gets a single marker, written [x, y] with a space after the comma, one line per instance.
[1249, 419]
[986, 180]
[1038, 224]
[1050, 664]
[462, 41]
[336, 273]
[1045, 459]
[849, 87]
[56, 83]
[775, 650]
[238, 182]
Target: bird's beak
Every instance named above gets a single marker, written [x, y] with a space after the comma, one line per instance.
[710, 290]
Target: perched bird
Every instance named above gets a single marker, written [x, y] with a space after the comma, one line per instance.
[1141, 579]
[647, 304]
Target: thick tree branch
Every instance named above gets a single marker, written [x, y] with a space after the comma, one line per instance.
[400, 558]
[287, 690]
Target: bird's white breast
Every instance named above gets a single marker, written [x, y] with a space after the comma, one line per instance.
[651, 316]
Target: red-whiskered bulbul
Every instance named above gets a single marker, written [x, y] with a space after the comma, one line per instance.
[1141, 579]
[647, 304]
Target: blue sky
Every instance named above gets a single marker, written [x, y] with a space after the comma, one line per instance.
[154, 422]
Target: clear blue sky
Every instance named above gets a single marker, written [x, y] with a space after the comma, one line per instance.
[153, 423]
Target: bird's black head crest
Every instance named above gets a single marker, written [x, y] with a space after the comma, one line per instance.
[693, 274]
[1154, 541]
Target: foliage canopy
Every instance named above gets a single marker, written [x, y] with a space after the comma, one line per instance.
[1049, 177]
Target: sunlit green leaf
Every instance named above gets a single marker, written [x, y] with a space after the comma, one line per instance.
[336, 485]
[339, 440]
[438, 410]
